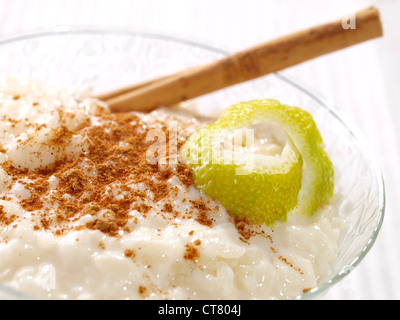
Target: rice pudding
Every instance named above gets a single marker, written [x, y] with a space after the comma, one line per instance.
[95, 205]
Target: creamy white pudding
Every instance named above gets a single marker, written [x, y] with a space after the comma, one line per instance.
[94, 205]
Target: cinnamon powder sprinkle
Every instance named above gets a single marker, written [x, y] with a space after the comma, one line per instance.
[284, 260]
[4, 218]
[100, 183]
[191, 252]
[129, 253]
[247, 230]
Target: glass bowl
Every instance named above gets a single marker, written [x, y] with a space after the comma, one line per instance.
[108, 59]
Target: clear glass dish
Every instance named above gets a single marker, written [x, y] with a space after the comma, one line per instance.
[108, 59]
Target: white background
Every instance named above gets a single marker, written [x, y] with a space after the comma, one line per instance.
[363, 81]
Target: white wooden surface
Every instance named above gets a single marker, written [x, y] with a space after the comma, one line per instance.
[364, 81]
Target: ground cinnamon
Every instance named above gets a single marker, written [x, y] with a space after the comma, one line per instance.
[101, 182]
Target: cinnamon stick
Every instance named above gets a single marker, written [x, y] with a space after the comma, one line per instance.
[249, 64]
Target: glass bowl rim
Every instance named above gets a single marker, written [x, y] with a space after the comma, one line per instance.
[324, 102]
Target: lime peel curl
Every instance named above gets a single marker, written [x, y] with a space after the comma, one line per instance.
[263, 188]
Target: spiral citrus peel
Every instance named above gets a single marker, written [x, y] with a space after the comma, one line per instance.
[262, 186]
